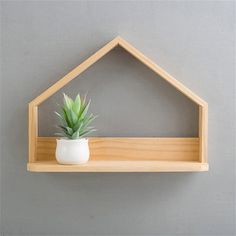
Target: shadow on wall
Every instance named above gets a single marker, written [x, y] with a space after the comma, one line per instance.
[129, 98]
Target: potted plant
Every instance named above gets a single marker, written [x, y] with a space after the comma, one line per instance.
[73, 147]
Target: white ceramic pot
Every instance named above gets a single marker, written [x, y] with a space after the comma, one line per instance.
[72, 152]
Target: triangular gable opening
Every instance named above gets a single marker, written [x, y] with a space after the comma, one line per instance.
[118, 41]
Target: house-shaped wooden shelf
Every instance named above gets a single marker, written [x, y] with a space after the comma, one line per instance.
[136, 154]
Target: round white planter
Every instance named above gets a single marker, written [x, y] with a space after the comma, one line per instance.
[72, 152]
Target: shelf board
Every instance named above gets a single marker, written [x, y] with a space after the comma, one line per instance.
[120, 166]
[115, 154]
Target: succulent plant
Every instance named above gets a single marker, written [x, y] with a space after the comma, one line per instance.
[74, 120]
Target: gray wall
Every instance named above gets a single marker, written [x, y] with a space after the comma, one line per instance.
[194, 41]
[129, 99]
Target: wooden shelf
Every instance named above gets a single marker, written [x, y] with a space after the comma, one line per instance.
[120, 166]
[123, 154]
[116, 154]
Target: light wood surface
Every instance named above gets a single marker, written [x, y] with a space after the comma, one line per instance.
[129, 149]
[32, 132]
[203, 133]
[134, 152]
[119, 166]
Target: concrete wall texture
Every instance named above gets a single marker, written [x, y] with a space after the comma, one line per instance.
[193, 40]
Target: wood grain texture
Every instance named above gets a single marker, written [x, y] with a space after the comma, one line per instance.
[126, 149]
[131, 151]
[203, 133]
[32, 132]
[119, 166]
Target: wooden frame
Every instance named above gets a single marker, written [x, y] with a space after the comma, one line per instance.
[122, 154]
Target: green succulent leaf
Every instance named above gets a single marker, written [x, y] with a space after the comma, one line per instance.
[74, 118]
[62, 127]
[76, 135]
[68, 101]
[67, 116]
[77, 104]
[84, 111]
[61, 118]
[78, 126]
[69, 130]
[87, 132]
[88, 120]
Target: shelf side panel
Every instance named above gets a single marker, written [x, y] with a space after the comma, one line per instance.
[203, 133]
[32, 133]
